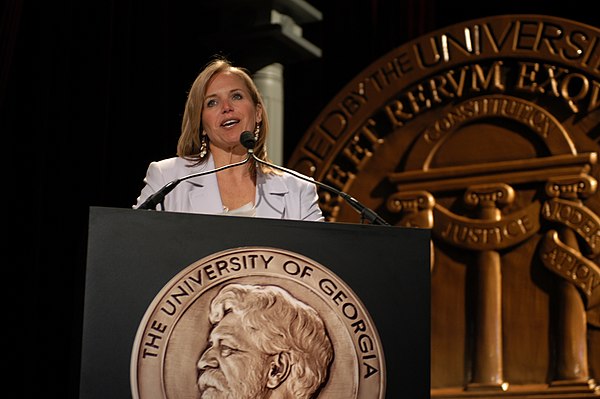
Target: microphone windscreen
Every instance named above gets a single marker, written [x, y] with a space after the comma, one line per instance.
[247, 139]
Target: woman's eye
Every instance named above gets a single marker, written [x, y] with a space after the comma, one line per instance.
[237, 96]
[210, 103]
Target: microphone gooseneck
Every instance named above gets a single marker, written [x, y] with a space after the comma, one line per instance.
[249, 141]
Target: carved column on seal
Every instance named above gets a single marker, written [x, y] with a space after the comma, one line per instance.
[415, 207]
[571, 333]
[487, 357]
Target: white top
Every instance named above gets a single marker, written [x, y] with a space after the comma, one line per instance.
[244, 210]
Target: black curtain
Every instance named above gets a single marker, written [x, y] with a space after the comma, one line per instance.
[91, 92]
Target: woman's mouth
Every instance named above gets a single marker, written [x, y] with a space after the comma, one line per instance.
[230, 122]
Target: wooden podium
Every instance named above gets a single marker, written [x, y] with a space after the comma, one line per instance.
[132, 254]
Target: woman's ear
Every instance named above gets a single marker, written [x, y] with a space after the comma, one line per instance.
[279, 369]
[259, 111]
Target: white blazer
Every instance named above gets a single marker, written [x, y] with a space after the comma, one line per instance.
[277, 196]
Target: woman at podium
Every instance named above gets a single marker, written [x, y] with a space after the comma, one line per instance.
[214, 172]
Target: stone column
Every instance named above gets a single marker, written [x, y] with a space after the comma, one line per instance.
[269, 81]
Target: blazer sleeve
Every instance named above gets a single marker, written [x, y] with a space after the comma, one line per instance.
[309, 203]
[154, 181]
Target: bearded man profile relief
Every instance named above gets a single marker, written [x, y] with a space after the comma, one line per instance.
[264, 343]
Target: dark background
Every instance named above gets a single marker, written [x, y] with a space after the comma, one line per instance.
[91, 92]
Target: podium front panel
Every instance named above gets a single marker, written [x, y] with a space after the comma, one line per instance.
[132, 254]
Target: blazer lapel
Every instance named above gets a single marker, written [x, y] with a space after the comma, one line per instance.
[270, 196]
[203, 192]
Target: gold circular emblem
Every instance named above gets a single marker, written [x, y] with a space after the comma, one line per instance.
[252, 321]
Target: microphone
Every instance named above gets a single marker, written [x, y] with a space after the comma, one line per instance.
[249, 141]
[159, 196]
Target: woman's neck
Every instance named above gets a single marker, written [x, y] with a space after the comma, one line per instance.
[223, 157]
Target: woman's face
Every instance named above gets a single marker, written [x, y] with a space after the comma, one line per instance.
[228, 110]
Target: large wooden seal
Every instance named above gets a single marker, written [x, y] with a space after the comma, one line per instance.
[486, 132]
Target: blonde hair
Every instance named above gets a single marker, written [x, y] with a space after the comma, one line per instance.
[188, 146]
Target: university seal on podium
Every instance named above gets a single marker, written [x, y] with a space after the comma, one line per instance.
[251, 321]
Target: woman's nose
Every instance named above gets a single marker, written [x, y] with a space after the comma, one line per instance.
[226, 106]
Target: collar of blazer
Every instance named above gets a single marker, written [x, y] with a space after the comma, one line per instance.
[204, 197]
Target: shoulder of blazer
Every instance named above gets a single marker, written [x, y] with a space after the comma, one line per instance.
[177, 167]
